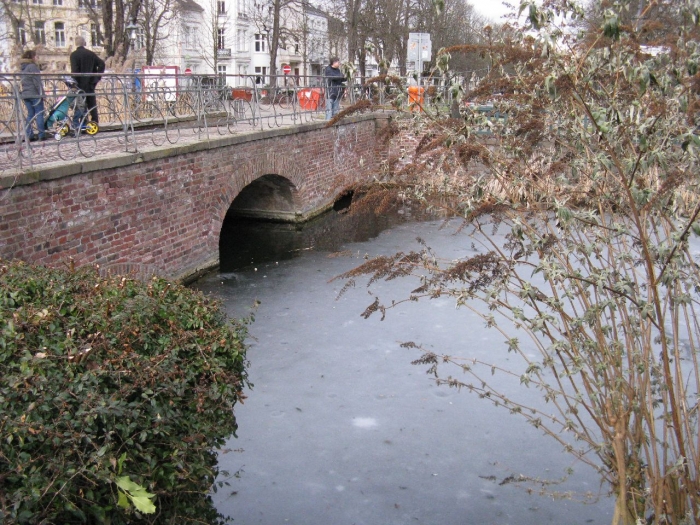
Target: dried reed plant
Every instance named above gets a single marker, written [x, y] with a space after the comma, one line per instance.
[581, 189]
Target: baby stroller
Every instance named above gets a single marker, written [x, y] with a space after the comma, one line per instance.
[69, 113]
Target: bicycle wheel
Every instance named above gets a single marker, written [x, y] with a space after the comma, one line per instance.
[285, 102]
[265, 101]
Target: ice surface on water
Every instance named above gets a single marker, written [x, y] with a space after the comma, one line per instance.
[341, 429]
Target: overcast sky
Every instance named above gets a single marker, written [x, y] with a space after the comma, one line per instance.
[492, 9]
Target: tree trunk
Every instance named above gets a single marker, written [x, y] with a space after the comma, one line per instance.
[274, 41]
[352, 16]
[622, 515]
[108, 25]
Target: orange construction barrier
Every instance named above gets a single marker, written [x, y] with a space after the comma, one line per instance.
[415, 98]
[309, 98]
[242, 94]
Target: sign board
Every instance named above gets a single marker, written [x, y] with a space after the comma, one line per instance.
[188, 71]
[286, 69]
[160, 82]
[419, 49]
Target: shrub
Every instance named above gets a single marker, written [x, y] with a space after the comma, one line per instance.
[107, 380]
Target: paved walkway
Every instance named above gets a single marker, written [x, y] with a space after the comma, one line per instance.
[145, 136]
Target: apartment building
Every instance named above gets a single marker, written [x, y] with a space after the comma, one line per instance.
[202, 37]
[48, 25]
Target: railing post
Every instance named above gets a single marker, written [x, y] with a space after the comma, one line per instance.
[128, 116]
[21, 139]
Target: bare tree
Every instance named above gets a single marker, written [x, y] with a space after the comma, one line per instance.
[379, 29]
[156, 15]
[216, 33]
[22, 15]
[456, 24]
[305, 33]
[273, 18]
[8, 37]
[111, 18]
[348, 28]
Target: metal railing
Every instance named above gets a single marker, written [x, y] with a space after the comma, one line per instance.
[140, 111]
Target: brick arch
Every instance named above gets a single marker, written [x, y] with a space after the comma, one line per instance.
[245, 170]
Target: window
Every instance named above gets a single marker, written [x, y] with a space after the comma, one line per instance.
[221, 7]
[39, 33]
[59, 33]
[221, 70]
[37, 2]
[21, 34]
[57, 2]
[186, 36]
[243, 8]
[94, 37]
[242, 41]
[83, 4]
[296, 46]
[260, 73]
[220, 38]
[260, 43]
[140, 41]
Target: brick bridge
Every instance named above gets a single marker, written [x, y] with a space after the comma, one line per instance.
[161, 211]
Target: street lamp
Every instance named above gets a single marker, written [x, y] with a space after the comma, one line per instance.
[133, 29]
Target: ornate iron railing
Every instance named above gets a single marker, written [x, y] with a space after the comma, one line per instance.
[141, 111]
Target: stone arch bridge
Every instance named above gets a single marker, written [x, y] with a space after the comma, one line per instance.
[161, 211]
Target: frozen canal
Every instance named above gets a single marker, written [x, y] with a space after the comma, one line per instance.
[341, 429]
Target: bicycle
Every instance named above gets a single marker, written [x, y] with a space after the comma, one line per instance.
[281, 98]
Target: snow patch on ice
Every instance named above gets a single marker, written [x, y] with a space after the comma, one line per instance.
[364, 422]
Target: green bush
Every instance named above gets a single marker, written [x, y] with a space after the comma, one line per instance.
[106, 381]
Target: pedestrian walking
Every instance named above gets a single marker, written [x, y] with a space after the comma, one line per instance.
[32, 95]
[334, 80]
[87, 67]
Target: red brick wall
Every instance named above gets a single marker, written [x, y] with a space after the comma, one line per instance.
[161, 212]
[401, 142]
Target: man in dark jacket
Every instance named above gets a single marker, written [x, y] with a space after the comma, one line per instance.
[334, 80]
[85, 64]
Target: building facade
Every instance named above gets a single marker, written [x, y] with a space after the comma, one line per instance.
[50, 26]
[224, 38]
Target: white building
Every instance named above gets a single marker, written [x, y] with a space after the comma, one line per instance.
[202, 37]
[229, 38]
